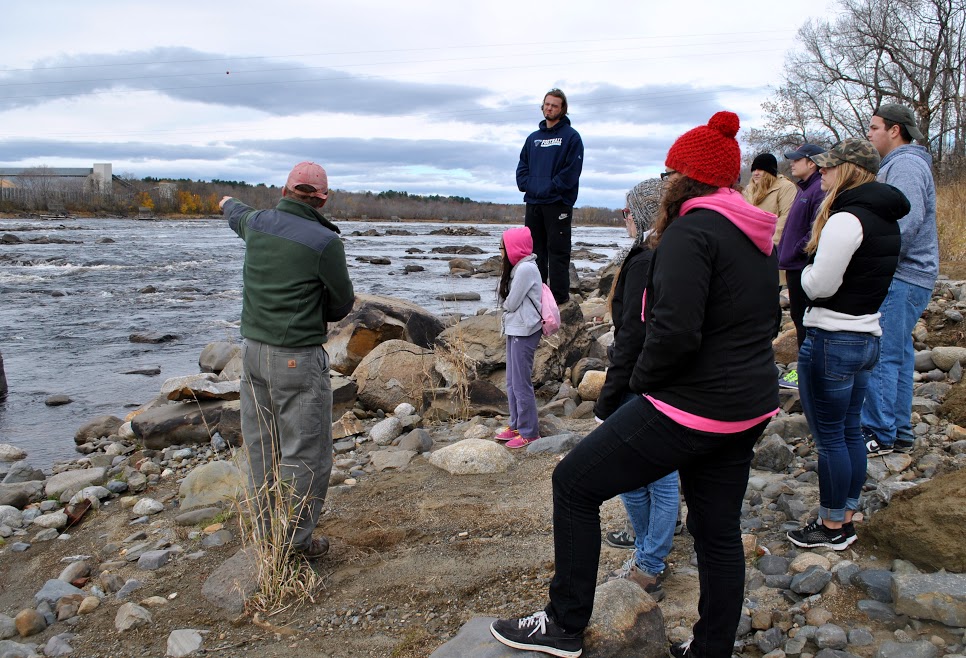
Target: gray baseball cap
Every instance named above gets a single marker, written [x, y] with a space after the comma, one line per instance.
[901, 115]
[859, 152]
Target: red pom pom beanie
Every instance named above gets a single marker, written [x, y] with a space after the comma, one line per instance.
[709, 154]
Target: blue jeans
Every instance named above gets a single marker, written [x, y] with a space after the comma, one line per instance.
[834, 368]
[286, 421]
[653, 513]
[635, 446]
[888, 405]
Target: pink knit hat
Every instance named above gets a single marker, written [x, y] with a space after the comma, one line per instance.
[709, 154]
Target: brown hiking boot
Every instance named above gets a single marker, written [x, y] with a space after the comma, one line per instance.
[649, 582]
[318, 547]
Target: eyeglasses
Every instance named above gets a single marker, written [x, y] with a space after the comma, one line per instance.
[666, 175]
[626, 212]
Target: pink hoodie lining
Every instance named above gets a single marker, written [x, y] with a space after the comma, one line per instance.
[702, 424]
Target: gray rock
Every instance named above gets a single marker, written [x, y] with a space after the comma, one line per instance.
[946, 357]
[418, 441]
[781, 581]
[11, 649]
[75, 570]
[146, 507]
[21, 494]
[215, 356]
[130, 616]
[811, 581]
[129, 587]
[876, 583]
[924, 362]
[769, 640]
[204, 386]
[230, 585]
[183, 642]
[117, 486]
[555, 444]
[11, 516]
[58, 400]
[861, 637]
[218, 538]
[22, 471]
[8, 627]
[918, 649]
[97, 428]
[877, 611]
[937, 596]
[474, 640]
[19, 547]
[9, 453]
[54, 589]
[385, 431]
[197, 516]
[830, 636]
[626, 621]
[153, 560]
[794, 646]
[844, 572]
[70, 482]
[179, 424]
[834, 653]
[59, 645]
[472, 456]
[772, 454]
[391, 459]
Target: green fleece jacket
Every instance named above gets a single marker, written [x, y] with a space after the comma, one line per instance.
[295, 274]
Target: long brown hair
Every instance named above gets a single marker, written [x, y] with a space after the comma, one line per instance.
[680, 190]
[504, 289]
[849, 175]
[761, 188]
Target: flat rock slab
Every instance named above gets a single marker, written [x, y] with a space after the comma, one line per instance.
[230, 585]
[937, 596]
[391, 459]
[54, 589]
[73, 481]
[475, 641]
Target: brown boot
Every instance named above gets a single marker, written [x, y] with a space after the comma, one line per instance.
[649, 582]
[318, 547]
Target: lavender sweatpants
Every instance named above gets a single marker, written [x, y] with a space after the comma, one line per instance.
[519, 383]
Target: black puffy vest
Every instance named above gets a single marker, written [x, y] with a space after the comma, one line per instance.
[866, 280]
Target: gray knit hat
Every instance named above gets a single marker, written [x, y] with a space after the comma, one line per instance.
[644, 201]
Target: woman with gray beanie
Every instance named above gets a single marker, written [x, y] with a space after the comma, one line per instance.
[653, 509]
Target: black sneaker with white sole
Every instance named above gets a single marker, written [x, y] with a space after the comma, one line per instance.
[681, 650]
[816, 535]
[873, 448]
[538, 632]
[903, 446]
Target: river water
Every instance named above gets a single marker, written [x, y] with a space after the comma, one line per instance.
[67, 310]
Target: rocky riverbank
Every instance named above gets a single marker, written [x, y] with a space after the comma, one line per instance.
[135, 548]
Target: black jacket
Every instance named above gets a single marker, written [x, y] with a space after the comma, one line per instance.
[712, 312]
[628, 330]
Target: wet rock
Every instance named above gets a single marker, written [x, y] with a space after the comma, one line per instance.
[57, 400]
[152, 338]
[130, 616]
[938, 596]
[472, 456]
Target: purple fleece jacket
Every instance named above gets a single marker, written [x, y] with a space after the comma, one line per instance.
[798, 226]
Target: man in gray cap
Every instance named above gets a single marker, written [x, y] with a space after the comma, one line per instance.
[888, 404]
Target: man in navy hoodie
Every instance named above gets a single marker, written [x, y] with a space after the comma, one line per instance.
[887, 412]
[548, 175]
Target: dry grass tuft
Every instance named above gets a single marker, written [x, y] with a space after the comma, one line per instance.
[951, 220]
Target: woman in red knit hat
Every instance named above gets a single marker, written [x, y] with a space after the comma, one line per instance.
[706, 387]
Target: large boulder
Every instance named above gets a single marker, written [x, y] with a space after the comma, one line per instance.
[478, 398]
[70, 482]
[395, 372]
[373, 321]
[479, 338]
[216, 356]
[21, 494]
[179, 423]
[926, 524]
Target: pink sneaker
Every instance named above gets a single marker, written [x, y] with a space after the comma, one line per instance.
[521, 442]
[507, 434]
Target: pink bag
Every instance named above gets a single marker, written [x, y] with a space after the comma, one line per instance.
[549, 312]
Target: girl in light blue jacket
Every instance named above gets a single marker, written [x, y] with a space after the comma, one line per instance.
[519, 296]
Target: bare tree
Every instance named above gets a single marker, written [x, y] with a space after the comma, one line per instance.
[874, 52]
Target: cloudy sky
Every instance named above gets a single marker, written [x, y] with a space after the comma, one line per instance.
[426, 96]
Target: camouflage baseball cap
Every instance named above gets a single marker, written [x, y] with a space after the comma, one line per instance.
[859, 152]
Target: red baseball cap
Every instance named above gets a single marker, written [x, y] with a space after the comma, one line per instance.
[311, 174]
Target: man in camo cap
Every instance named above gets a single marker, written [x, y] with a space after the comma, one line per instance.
[887, 412]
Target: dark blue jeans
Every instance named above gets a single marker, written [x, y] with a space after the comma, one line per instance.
[635, 446]
[834, 368]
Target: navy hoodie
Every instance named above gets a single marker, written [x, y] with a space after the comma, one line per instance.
[550, 164]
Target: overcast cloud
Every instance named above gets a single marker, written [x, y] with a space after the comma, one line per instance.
[420, 97]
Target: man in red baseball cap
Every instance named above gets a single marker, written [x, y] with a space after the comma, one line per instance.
[295, 281]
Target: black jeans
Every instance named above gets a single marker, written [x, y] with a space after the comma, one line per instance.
[635, 446]
[549, 225]
[797, 302]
